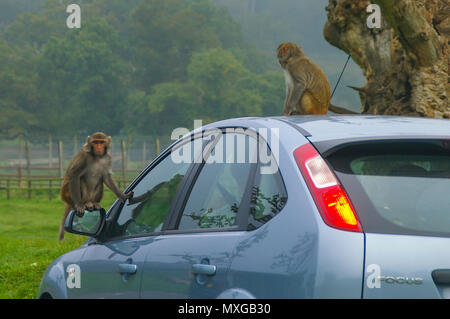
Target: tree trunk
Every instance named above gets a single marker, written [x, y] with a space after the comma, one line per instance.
[406, 61]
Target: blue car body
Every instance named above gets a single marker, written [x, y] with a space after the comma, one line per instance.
[293, 255]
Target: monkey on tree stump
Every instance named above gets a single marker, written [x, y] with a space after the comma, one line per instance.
[83, 183]
[307, 86]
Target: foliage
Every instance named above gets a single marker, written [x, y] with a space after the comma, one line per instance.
[217, 86]
[140, 66]
[81, 80]
[18, 94]
[167, 32]
[10, 9]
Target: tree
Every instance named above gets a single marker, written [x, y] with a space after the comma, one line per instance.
[212, 91]
[166, 32]
[34, 29]
[10, 9]
[405, 62]
[139, 65]
[81, 80]
[270, 87]
[18, 94]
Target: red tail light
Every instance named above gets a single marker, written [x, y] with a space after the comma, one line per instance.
[329, 195]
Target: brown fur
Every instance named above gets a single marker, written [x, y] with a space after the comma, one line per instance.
[310, 91]
[83, 183]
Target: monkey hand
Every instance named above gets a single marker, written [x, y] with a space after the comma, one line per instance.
[289, 110]
[89, 206]
[289, 113]
[123, 197]
[79, 208]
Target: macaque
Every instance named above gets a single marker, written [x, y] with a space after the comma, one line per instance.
[83, 183]
[307, 87]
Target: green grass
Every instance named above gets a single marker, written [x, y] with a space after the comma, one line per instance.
[28, 242]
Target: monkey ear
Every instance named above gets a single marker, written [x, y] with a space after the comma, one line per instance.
[108, 144]
[86, 147]
[295, 50]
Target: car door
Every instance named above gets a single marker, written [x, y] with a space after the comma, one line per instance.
[191, 258]
[113, 268]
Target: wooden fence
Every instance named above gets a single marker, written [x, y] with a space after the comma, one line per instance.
[48, 186]
[44, 182]
[23, 177]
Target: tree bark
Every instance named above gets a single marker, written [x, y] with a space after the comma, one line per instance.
[406, 61]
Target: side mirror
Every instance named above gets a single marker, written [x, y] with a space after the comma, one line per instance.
[90, 224]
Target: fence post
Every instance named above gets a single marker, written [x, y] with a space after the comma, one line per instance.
[144, 151]
[50, 189]
[50, 151]
[20, 160]
[157, 146]
[19, 175]
[60, 160]
[20, 149]
[7, 190]
[27, 155]
[128, 153]
[123, 161]
[29, 188]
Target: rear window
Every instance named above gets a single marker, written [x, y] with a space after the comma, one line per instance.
[398, 187]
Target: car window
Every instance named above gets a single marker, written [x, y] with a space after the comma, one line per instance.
[405, 185]
[220, 186]
[410, 191]
[268, 198]
[153, 195]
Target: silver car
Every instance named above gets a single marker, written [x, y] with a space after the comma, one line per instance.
[284, 207]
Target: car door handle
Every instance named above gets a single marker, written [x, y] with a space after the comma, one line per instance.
[127, 269]
[202, 269]
[441, 276]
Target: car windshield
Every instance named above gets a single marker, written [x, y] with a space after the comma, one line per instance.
[408, 191]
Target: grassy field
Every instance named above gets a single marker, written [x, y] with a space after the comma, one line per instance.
[28, 242]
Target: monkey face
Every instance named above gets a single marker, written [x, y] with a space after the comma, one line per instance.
[287, 50]
[99, 147]
[97, 144]
[282, 50]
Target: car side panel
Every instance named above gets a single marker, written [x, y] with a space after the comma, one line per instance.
[279, 259]
[55, 277]
[169, 264]
[401, 266]
[296, 255]
[340, 264]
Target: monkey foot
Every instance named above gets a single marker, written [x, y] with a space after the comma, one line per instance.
[90, 206]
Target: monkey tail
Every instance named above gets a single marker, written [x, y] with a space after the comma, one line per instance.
[61, 227]
[340, 110]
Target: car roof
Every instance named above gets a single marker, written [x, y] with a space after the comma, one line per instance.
[324, 127]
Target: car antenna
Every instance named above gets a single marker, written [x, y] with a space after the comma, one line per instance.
[342, 72]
